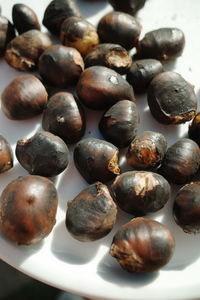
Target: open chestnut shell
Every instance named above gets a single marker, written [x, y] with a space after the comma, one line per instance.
[6, 155]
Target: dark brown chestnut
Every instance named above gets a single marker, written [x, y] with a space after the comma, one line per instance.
[43, 154]
[128, 6]
[109, 55]
[64, 117]
[100, 87]
[147, 150]
[24, 18]
[60, 66]
[194, 129]
[6, 155]
[120, 122]
[141, 73]
[119, 28]
[140, 192]
[181, 161]
[171, 98]
[143, 245]
[7, 33]
[96, 160]
[28, 208]
[91, 215]
[23, 51]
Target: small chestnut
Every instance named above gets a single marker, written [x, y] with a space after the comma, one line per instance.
[128, 6]
[6, 155]
[7, 33]
[194, 129]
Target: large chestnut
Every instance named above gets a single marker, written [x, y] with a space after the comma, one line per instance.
[6, 155]
[128, 6]
[28, 208]
[143, 245]
[194, 129]
[7, 33]
[91, 215]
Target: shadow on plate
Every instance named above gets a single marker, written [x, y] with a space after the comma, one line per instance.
[91, 8]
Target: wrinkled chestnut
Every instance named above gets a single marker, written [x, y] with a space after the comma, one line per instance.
[162, 44]
[7, 33]
[6, 155]
[24, 98]
[28, 208]
[187, 207]
[143, 245]
[119, 28]
[96, 160]
[43, 154]
[119, 123]
[24, 18]
[194, 129]
[91, 215]
[147, 150]
[181, 161]
[64, 117]
[60, 66]
[78, 33]
[128, 6]
[112, 56]
[142, 72]
[140, 192]
[57, 11]
[171, 98]
[23, 51]
[100, 87]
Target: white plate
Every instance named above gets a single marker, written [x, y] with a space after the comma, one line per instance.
[86, 268]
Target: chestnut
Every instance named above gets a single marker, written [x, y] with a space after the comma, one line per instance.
[141, 73]
[143, 245]
[6, 155]
[24, 18]
[100, 87]
[119, 28]
[64, 117]
[140, 192]
[91, 215]
[147, 150]
[181, 161]
[57, 11]
[60, 66]
[119, 123]
[194, 129]
[162, 44]
[171, 98]
[96, 160]
[28, 208]
[109, 55]
[78, 33]
[23, 51]
[128, 6]
[7, 33]
[43, 154]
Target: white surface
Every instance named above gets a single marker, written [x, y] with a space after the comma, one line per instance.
[87, 268]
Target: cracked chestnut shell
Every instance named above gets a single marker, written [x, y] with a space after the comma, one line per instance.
[181, 161]
[143, 245]
[120, 122]
[119, 28]
[96, 160]
[171, 98]
[194, 129]
[28, 208]
[91, 215]
[6, 155]
[140, 192]
[100, 87]
[43, 154]
[7, 33]
[109, 55]
[128, 6]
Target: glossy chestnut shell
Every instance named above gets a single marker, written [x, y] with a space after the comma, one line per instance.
[6, 155]
[194, 129]
[7, 33]
[128, 6]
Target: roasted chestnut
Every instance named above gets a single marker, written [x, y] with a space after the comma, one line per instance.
[100, 87]
[96, 160]
[147, 150]
[28, 208]
[128, 6]
[119, 28]
[91, 215]
[119, 123]
[140, 192]
[181, 161]
[143, 245]
[171, 98]
[43, 154]
[112, 56]
[6, 155]
[64, 117]
[7, 33]
[194, 129]
[23, 51]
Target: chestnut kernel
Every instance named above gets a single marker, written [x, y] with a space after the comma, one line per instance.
[7, 33]
[6, 155]
[128, 6]
[194, 129]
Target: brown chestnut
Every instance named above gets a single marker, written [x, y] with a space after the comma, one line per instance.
[143, 245]
[28, 208]
[128, 6]
[100, 87]
[194, 129]
[171, 98]
[6, 155]
[43, 154]
[7, 33]
[91, 215]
